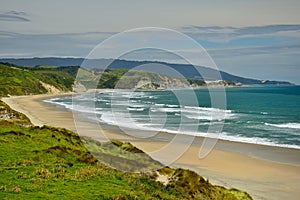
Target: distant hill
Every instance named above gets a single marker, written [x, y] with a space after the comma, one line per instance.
[123, 78]
[43, 61]
[186, 70]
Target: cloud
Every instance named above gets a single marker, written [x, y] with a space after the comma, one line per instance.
[233, 42]
[225, 34]
[240, 41]
[250, 30]
[274, 55]
[263, 52]
[39, 45]
[270, 29]
[14, 16]
[231, 52]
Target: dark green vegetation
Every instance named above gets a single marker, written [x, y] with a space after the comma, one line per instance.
[52, 163]
[186, 70]
[110, 77]
[195, 81]
[15, 80]
[60, 77]
[122, 78]
[121, 155]
[187, 181]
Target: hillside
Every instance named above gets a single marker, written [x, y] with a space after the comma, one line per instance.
[139, 79]
[19, 80]
[52, 163]
[15, 80]
[186, 70]
[26, 80]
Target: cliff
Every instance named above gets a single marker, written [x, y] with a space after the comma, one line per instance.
[187, 70]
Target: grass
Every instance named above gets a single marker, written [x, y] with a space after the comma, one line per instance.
[127, 79]
[121, 155]
[15, 80]
[189, 182]
[10, 115]
[53, 163]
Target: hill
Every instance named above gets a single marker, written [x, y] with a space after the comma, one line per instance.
[123, 78]
[16, 80]
[20, 80]
[188, 71]
[52, 163]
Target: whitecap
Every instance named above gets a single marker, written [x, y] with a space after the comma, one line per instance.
[136, 109]
[172, 106]
[285, 125]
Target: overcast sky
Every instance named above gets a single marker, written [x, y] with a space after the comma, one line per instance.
[257, 39]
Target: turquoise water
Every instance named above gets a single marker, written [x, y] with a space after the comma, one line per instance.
[267, 115]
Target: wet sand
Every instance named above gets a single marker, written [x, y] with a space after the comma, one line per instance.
[265, 172]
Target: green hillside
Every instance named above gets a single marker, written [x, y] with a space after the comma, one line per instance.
[110, 77]
[52, 163]
[15, 80]
[187, 70]
[123, 78]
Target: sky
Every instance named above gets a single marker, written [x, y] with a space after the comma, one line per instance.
[256, 39]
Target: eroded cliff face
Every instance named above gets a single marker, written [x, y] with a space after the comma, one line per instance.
[138, 79]
[164, 82]
[51, 89]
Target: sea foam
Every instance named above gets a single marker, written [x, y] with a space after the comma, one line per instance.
[285, 125]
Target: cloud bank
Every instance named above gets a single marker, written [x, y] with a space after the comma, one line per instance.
[265, 52]
[14, 16]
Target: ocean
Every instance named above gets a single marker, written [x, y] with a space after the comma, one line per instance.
[267, 115]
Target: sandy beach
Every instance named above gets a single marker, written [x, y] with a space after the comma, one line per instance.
[265, 172]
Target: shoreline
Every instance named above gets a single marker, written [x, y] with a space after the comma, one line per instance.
[284, 155]
[265, 172]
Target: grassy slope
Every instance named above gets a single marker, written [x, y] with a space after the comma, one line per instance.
[10, 115]
[60, 77]
[123, 78]
[15, 80]
[50, 163]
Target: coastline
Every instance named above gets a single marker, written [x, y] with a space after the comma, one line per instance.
[265, 172]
